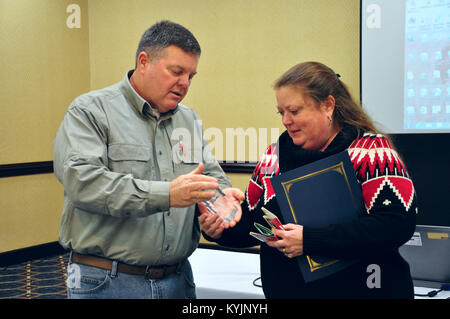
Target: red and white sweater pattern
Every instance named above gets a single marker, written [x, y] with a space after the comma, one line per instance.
[384, 180]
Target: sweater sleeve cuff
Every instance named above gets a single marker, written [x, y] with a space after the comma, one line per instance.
[209, 238]
[313, 240]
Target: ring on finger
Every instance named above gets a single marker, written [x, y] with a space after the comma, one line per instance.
[284, 250]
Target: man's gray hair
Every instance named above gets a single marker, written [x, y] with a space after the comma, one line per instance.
[163, 34]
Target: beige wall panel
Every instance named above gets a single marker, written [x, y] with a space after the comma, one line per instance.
[44, 66]
[240, 180]
[30, 211]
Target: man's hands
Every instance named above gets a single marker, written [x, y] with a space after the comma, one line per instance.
[191, 188]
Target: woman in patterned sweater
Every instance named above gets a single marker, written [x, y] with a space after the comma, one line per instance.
[322, 119]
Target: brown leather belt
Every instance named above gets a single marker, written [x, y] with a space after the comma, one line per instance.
[155, 272]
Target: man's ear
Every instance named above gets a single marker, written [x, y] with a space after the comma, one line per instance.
[142, 60]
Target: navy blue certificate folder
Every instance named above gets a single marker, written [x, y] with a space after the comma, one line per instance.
[319, 194]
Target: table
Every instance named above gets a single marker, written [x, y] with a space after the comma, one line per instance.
[221, 274]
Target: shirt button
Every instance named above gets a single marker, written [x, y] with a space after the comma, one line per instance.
[160, 153]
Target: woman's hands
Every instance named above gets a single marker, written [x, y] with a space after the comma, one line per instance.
[211, 224]
[290, 241]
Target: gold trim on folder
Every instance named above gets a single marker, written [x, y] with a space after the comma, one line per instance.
[313, 265]
[339, 168]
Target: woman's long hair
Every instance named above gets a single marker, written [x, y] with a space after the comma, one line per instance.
[319, 81]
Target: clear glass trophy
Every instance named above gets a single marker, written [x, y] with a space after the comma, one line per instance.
[221, 205]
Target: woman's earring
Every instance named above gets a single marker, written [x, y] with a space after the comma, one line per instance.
[329, 117]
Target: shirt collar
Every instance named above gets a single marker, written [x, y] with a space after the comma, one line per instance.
[141, 105]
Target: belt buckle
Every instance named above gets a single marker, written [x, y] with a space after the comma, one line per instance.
[154, 273]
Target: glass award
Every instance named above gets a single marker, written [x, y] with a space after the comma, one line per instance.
[221, 205]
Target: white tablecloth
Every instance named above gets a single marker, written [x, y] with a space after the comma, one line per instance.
[222, 274]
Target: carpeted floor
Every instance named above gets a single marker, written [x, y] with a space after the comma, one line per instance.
[36, 279]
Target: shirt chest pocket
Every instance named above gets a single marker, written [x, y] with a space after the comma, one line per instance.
[186, 159]
[131, 159]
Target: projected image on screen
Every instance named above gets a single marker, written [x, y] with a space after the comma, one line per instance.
[405, 89]
[427, 65]
[405, 64]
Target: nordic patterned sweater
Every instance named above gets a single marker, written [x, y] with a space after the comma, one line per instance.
[373, 239]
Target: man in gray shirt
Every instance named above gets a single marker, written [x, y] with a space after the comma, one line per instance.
[134, 165]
